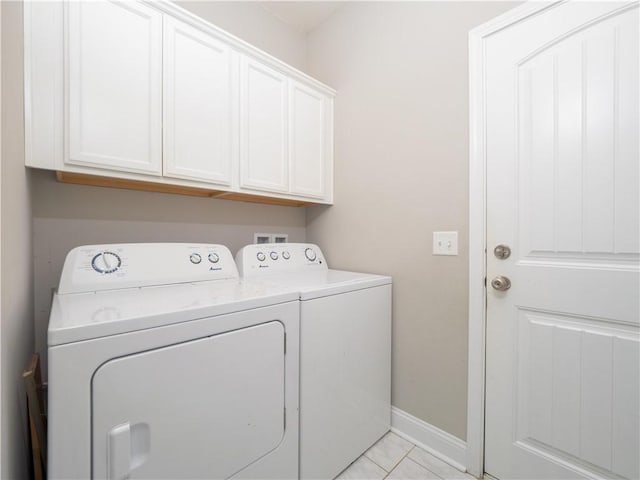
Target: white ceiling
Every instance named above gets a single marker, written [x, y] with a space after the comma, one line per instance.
[301, 15]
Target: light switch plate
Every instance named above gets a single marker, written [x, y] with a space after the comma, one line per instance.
[445, 243]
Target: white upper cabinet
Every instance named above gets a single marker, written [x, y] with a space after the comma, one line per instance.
[114, 86]
[308, 140]
[147, 92]
[199, 105]
[263, 127]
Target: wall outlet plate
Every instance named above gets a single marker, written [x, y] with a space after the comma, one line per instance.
[262, 238]
[445, 243]
[280, 238]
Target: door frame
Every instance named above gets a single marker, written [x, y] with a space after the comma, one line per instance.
[477, 225]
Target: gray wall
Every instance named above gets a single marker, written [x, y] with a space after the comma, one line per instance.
[253, 24]
[66, 215]
[401, 172]
[16, 253]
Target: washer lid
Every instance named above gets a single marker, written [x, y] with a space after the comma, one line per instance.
[84, 316]
[322, 283]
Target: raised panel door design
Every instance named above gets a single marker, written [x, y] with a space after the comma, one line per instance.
[307, 141]
[563, 185]
[114, 86]
[207, 408]
[579, 146]
[263, 128]
[198, 105]
[578, 388]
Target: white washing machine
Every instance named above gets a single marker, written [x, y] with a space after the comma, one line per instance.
[163, 365]
[345, 352]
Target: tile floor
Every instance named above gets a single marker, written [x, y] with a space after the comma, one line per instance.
[395, 458]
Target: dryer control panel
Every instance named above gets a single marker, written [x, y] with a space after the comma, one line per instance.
[107, 267]
[268, 258]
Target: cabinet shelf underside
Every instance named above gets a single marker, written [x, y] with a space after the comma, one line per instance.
[99, 181]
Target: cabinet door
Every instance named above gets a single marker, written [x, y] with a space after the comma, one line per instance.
[263, 128]
[307, 141]
[198, 105]
[114, 86]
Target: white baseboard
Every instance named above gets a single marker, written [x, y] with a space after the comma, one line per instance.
[437, 442]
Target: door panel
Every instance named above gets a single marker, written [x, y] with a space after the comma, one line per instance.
[201, 409]
[575, 376]
[307, 141]
[263, 128]
[562, 392]
[198, 105]
[579, 170]
[114, 86]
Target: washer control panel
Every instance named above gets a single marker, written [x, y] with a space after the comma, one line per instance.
[106, 262]
[106, 267]
[264, 258]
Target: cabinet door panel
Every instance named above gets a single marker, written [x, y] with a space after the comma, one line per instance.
[307, 148]
[198, 105]
[263, 128]
[114, 86]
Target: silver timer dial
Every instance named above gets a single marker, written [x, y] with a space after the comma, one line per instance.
[310, 254]
[106, 262]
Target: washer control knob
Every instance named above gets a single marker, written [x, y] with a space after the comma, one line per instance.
[274, 255]
[261, 257]
[214, 258]
[286, 255]
[195, 258]
[106, 262]
[310, 254]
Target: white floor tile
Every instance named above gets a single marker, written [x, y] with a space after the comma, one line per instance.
[440, 468]
[407, 469]
[389, 451]
[362, 469]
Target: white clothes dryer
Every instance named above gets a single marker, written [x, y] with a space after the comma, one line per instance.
[163, 365]
[345, 352]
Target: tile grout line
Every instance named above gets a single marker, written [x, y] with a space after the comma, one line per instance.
[399, 461]
[470, 477]
[425, 467]
[395, 465]
[406, 455]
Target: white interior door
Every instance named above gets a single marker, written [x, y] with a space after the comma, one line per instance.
[563, 365]
[114, 86]
[199, 114]
[202, 409]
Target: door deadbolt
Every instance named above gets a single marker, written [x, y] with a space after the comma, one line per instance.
[501, 283]
[502, 252]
